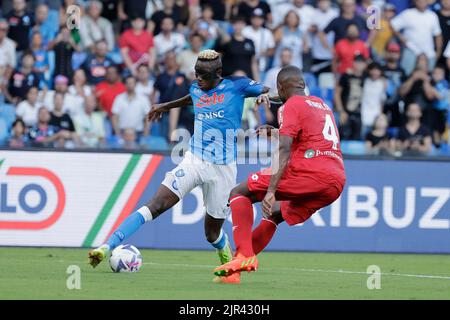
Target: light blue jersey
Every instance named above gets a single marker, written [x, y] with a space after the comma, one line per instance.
[218, 114]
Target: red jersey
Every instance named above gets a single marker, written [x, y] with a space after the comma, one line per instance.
[106, 93]
[346, 52]
[316, 146]
[137, 44]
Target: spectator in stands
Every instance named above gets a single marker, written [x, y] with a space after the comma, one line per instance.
[27, 110]
[90, 125]
[444, 22]
[414, 137]
[303, 10]
[347, 100]
[8, 57]
[72, 104]
[169, 85]
[220, 9]
[94, 27]
[339, 24]
[238, 51]
[246, 9]
[144, 86]
[289, 35]
[62, 121]
[378, 140]
[79, 86]
[43, 134]
[22, 80]
[128, 9]
[20, 24]
[168, 40]
[188, 57]
[136, 46]
[385, 33]
[95, 65]
[373, 97]
[64, 46]
[417, 88]
[46, 23]
[130, 138]
[41, 64]
[419, 31]
[170, 10]
[207, 23]
[346, 49]
[270, 80]
[440, 97]
[129, 110]
[322, 56]
[107, 90]
[18, 138]
[262, 39]
[394, 75]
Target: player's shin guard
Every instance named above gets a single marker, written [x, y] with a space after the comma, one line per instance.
[242, 213]
[129, 226]
[262, 235]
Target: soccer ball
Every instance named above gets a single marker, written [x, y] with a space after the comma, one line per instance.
[125, 258]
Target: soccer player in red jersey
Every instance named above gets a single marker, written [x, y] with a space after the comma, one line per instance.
[307, 173]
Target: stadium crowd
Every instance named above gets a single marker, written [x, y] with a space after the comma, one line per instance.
[85, 76]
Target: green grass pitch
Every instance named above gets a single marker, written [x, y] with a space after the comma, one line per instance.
[40, 273]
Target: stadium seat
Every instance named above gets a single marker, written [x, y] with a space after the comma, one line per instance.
[8, 114]
[154, 143]
[310, 80]
[326, 80]
[113, 142]
[353, 147]
[3, 132]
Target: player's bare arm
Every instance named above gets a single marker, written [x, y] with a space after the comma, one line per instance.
[159, 109]
[280, 161]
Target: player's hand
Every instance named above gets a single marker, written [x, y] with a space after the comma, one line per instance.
[265, 129]
[268, 202]
[343, 117]
[263, 99]
[156, 112]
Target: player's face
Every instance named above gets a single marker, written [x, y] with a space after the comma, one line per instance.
[205, 76]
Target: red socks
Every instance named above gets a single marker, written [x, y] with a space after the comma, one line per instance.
[249, 243]
[242, 213]
[262, 235]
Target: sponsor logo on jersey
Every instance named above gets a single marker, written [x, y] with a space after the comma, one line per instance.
[210, 100]
[211, 115]
[309, 153]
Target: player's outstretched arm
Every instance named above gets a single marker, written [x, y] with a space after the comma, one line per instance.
[279, 163]
[158, 109]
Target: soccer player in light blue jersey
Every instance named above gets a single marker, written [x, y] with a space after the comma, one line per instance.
[211, 161]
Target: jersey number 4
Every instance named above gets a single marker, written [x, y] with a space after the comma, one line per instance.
[329, 131]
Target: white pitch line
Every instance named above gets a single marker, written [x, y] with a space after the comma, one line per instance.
[307, 270]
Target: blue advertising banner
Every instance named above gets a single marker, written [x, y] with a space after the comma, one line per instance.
[386, 206]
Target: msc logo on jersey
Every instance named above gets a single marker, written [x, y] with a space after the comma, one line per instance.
[211, 115]
[207, 101]
[30, 198]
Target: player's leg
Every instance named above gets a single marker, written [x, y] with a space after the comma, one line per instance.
[240, 202]
[163, 200]
[175, 185]
[218, 180]
[263, 233]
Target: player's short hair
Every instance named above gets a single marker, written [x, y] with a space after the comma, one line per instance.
[208, 55]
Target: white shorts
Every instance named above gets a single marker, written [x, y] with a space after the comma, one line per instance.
[216, 181]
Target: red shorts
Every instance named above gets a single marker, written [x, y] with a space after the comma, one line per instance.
[300, 195]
